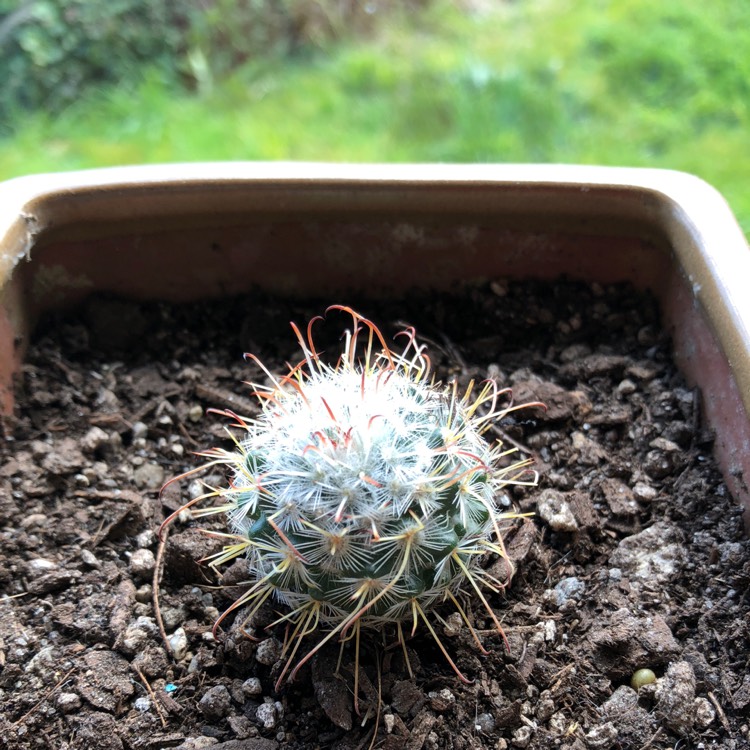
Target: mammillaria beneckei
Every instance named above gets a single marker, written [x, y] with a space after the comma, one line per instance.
[364, 493]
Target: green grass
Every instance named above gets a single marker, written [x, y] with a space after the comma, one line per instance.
[614, 82]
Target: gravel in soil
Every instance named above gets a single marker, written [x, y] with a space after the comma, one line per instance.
[634, 559]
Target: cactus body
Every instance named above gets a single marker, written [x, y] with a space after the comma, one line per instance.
[364, 493]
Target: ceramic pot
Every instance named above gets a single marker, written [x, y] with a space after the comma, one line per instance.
[183, 232]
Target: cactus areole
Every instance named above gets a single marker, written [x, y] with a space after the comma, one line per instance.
[365, 493]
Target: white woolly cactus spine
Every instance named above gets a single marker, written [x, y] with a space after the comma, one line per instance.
[365, 493]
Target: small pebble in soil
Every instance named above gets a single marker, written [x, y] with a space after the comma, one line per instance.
[659, 465]
[268, 652]
[558, 724]
[548, 630]
[132, 640]
[197, 743]
[195, 489]
[39, 566]
[601, 737]
[178, 642]
[568, 588]
[149, 476]
[644, 492]
[137, 634]
[95, 438]
[68, 703]
[485, 723]
[522, 737]
[146, 538]
[139, 430]
[655, 555]
[703, 712]
[34, 521]
[241, 726]
[389, 722]
[545, 707]
[621, 702]
[144, 593]
[215, 703]
[81, 480]
[142, 704]
[626, 387]
[266, 715]
[89, 559]
[555, 511]
[252, 687]
[142, 564]
[172, 617]
[453, 625]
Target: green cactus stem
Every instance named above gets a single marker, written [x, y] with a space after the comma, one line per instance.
[365, 493]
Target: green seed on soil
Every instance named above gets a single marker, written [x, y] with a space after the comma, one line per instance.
[642, 677]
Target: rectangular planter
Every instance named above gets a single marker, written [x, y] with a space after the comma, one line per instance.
[183, 232]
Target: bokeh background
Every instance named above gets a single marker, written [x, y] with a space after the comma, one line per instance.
[87, 83]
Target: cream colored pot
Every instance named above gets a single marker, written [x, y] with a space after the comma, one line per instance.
[181, 232]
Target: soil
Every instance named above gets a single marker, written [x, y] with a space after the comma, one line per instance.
[634, 558]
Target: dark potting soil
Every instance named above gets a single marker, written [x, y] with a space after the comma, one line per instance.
[635, 557]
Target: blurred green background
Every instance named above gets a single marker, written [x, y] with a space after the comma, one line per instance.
[614, 82]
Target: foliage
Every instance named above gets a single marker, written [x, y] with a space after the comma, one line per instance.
[614, 82]
[364, 494]
[224, 34]
[53, 49]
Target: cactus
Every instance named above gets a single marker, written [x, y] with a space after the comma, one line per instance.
[365, 493]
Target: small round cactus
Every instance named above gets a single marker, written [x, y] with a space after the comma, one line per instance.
[365, 493]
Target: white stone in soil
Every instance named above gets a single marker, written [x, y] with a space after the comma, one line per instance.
[268, 652]
[602, 737]
[252, 687]
[569, 588]
[93, 439]
[178, 642]
[266, 715]
[68, 703]
[150, 476]
[139, 430]
[644, 492]
[40, 565]
[704, 713]
[555, 511]
[521, 737]
[656, 554]
[142, 563]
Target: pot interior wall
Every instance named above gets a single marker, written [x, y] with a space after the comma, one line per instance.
[305, 254]
[302, 255]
